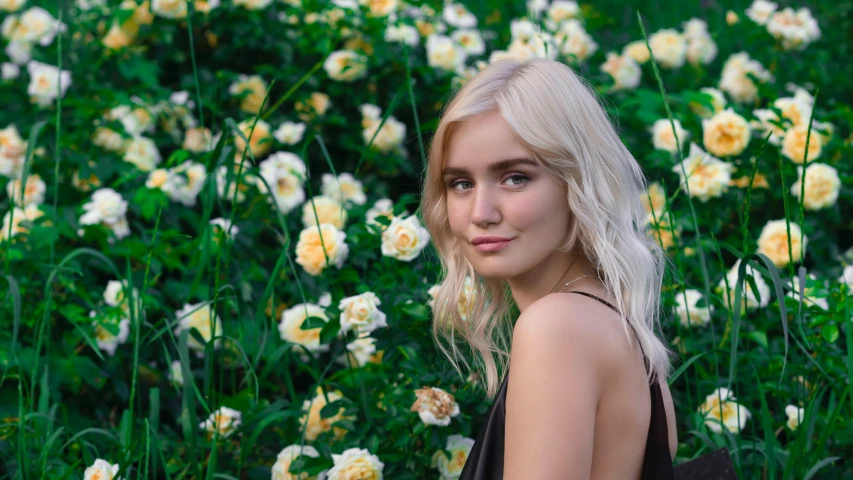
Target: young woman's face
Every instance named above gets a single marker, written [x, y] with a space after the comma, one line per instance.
[494, 187]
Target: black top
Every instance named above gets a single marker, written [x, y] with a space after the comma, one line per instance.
[486, 460]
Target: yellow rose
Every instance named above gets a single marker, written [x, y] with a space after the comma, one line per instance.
[260, 141]
[251, 89]
[726, 413]
[726, 134]
[794, 144]
[309, 249]
[773, 242]
[404, 238]
[313, 424]
[328, 210]
[638, 51]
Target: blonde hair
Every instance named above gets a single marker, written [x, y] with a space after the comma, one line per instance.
[560, 120]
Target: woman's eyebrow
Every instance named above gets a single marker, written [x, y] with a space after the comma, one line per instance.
[495, 167]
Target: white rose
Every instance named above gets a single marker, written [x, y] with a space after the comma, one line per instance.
[286, 457]
[290, 326]
[175, 9]
[389, 137]
[224, 227]
[106, 205]
[383, 207]
[289, 133]
[625, 71]
[12, 221]
[457, 15]
[750, 299]
[33, 192]
[224, 420]
[726, 133]
[316, 242]
[143, 153]
[356, 464]
[822, 186]
[459, 448]
[361, 313]
[101, 470]
[734, 79]
[726, 413]
[444, 53]
[435, 406]
[11, 5]
[199, 316]
[573, 40]
[343, 188]
[795, 415]
[185, 182]
[795, 28]
[345, 66]
[663, 135]
[773, 242]
[46, 82]
[760, 11]
[810, 293]
[9, 71]
[701, 50]
[252, 4]
[105, 337]
[359, 350]
[705, 176]
[669, 48]
[404, 238]
[404, 34]
[176, 373]
[470, 40]
[697, 316]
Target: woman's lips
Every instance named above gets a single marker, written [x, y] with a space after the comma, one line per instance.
[492, 246]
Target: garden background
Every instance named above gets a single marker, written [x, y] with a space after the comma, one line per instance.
[171, 308]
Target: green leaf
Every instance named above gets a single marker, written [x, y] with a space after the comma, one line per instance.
[829, 332]
[759, 338]
[313, 322]
[418, 311]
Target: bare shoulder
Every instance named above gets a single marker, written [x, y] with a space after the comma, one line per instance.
[556, 379]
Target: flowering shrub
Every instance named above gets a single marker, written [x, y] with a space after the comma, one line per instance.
[184, 178]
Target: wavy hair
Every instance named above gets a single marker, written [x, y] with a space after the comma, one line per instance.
[559, 118]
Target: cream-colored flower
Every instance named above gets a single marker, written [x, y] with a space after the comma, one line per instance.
[380, 8]
[174, 9]
[251, 89]
[669, 48]
[286, 457]
[289, 133]
[795, 28]
[561, 10]
[12, 221]
[735, 81]
[224, 228]
[625, 71]
[356, 464]
[732, 18]
[85, 184]
[285, 173]
[797, 109]
[345, 66]
[110, 333]
[638, 51]
[403, 33]
[260, 139]
[101, 470]
[312, 422]
[573, 40]
[458, 447]
[470, 40]
[444, 53]
[360, 313]
[404, 238]
[198, 139]
[795, 415]
[701, 50]
[108, 139]
[328, 210]
[721, 410]
[13, 150]
[290, 327]
[766, 121]
[523, 29]
[664, 137]
[726, 133]
[225, 421]
[143, 153]
[361, 351]
[811, 292]
[822, 186]
[760, 11]
[119, 37]
[688, 311]
[46, 82]
[435, 406]
[135, 120]
[794, 144]
[105, 205]
[228, 188]
[252, 4]
[343, 188]
[36, 25]
[157, 178]
[847, 276]
[383, 207]
[773, 242]
[388, 138]
[33, 192]
[310, 251]
[750, 299]
[457, 15]
[185, 182]
[202, 318]
[114, 296]
[662, 231]
[11, 5]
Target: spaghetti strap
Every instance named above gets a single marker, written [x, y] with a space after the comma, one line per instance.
[601, 300]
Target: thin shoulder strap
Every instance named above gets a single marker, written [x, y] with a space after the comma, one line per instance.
[645, 359]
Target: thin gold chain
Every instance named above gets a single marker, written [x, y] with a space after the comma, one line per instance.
[571, 282]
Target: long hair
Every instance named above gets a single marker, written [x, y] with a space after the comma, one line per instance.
[561, 121]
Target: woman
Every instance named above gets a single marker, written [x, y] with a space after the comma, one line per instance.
[530, 193]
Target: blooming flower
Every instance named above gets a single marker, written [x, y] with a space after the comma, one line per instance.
[822, 186]
[328, 210]
[345, 66]
[314, 424]
[794, 144]
[689, 313]
[404, 238]
[750, 299]
[361, 313]
[726, 133]
[224, 420]
[443, 53]
[721, 410]
[202, 318]
[46, 82]
[669, 48]
[251, 89]
[290, 327]
[343, 188]
[33, 192]
[735, 81]
[773, 242]
[663, 135]
[795, 416]
[310, 248]
[705, 176]
[286, 457]
[435, 406]
[458, 447]
[101, 470]
[289, 133]
[625, 71]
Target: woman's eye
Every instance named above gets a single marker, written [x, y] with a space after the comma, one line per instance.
[518, 176]
[453, 185]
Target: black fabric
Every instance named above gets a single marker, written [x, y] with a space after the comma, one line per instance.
[486, 460]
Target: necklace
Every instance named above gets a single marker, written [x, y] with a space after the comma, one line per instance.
[567, 271]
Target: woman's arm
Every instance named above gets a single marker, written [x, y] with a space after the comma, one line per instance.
[555, 381]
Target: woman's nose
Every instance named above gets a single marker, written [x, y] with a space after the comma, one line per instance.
[486, 207]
